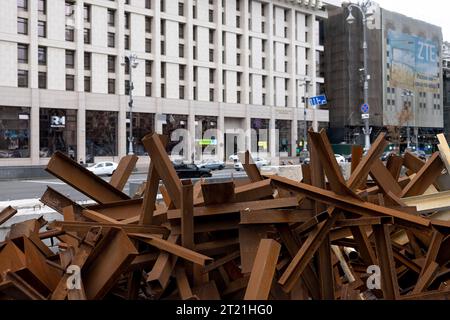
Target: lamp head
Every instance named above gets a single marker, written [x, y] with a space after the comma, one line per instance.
[350, 19]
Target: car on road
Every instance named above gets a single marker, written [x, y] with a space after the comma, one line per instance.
[420, 154]
[234, 158]
[103, 168]
[339, 158]
[189, 171]
[258, 161]
[212, 164]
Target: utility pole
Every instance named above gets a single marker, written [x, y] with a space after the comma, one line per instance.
[131, 60]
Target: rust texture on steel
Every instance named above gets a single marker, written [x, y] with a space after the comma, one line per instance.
[75, 175]
[122, 173]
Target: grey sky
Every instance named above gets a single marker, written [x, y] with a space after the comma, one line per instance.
[432, 11]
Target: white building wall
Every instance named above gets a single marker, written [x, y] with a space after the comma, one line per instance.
[8, 17]
[137, 33]
[230, 84]
[99, 78]
[8, 64]
[172, 39]
[230, 13]
[172, 81]
[99, 29]
[203, 84]
[56, 69]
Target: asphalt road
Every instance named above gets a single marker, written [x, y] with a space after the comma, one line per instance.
[34, 189]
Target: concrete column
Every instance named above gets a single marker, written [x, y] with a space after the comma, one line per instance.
[221, 133]
[218, 43]
[293, 87]
[122, 100]
[191, 129]
[245, 96]
[189, 50]
[273, 136]
[79, 42]
[312, 66]
[270, 80]
[81, 129]
[248, 131]
[33, 82]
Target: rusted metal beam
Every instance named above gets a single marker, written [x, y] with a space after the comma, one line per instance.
[394, 166]
[347, 203]
[78, 177]
[384, 178]
[425, 177]
[305, 254]
[275, 216]
[433, 250]
[114, 255]
[184, 289]
[426, 278]
[6, 214]
[363, 245]
[389, 282]
[237, 207]
[217, 193]
[357, 155]
[250, 237]
[163, 167]
[444, 150]
[187, 218]
[172, 248]
[360, 174]
[78, 226]
[250, 167]
[263, 270]
[57, 201]
[123, 172]
[15, 287]
[220, 262]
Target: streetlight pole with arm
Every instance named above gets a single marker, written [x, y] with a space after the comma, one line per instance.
[305, 84]
[364, 9]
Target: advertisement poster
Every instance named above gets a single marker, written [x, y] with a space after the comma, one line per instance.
[413, 62]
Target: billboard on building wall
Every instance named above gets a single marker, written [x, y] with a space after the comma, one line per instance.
[413, 62]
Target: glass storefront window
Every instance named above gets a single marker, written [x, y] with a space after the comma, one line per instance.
[58, 132]
[101, 134]
[14, 132]
[174, 122]
[205, 136]
[143, 124]
[260, 135]
[284, 137]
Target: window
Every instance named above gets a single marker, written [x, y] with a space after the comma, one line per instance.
[181, 92]
[70, 34]
[163, 70]
[22, 4]
[148, 89]
[127, 67]
[111, 64]
[148, 24]
[211, 15]
[70, 8]
[42, 80]
[211, 55]
[148, 68]
[238, 5]
[163, 27]
[87, 61]
[111, 18]
[127, 20]
[238, 97]
[181, 50]
[238, 59]
[127, 87]
[22, 26]
[42, 56]
[127, 42]
[22, 53]
[87, 13]
[181, 71]
[111, 86]
[42, 29]
[87, 84]
[163, 90]
[70, 82]
[211, 95]
[181, 31]
[211, 36]
[87, 36]
[181, 9]
[148, 4]
[162, 5]
[111, 40]
[70, 59]
[238, 79]
[14, 140]
[42, 6]
[101, 128]
[238, 21]
[211, 76]
[148, 45]
[22, 79]
[163, 48]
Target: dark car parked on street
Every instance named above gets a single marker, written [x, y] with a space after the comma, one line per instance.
[189, 171]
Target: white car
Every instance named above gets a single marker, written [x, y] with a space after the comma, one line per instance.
[234, 158]
[258, 161]
[340, 159]
[103, 168]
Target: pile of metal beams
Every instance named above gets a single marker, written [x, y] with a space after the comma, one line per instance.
[383, 237]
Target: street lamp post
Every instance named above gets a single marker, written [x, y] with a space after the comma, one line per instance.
[364, 9]
[131, 60]
[406, 95]
[306, 97]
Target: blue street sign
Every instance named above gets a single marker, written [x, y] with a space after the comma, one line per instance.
[365, 108]
[318, 101]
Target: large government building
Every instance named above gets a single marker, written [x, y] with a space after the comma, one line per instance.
[202, 65]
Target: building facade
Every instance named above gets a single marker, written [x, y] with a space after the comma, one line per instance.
[203, 65]
[405, 68]
[446, 85]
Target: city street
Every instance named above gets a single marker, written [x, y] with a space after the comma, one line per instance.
[33, 189]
